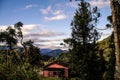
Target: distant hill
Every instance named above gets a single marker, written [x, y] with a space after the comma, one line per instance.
[2, 47]
[45, 51]
[107, 47]
[55, 53]
[52, 53]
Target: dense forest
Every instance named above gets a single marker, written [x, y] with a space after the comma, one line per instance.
[87, 57]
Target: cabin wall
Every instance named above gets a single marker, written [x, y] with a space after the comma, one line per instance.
[50, 71]
[66, 73]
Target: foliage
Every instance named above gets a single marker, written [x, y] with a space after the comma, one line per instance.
[52, 78]
[12, 67]
[84, 62]
[107, 46]
[65, 57]
[14, 64]
[34, 56]
[9, 37]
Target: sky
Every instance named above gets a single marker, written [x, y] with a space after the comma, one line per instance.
[47, 22]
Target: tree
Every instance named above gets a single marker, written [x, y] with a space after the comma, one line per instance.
[12, 35]
[33, 55]
[18, 26]
[28, 43]
[84, 63]
[9, 37]
[108, 49]
[116, 23]
[12, 64]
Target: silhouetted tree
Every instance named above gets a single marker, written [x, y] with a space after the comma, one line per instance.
[18, 26]
[84, 63]
[33, 55]
[9, 37]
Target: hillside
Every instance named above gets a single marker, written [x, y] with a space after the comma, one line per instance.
[52, 53]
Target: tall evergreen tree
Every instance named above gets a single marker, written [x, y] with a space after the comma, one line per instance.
[84, 63]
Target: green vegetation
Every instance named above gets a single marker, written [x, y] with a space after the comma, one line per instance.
[83, 43]
[16, 64]
[108, 49]
[87, 58]
[13, 67]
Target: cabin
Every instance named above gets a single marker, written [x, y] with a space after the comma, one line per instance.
[56, 69]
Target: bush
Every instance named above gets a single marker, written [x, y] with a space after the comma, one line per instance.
[9, 70]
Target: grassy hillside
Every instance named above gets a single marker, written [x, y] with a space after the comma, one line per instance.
[108, 52]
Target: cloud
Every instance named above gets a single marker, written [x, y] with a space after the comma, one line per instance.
[51, 46]
[37, 30]
[51, 14]
[30, 6]
[42, 37]
[28, 28]
[3, 27]
[45, 41]
[57, 12]
[56, 17]
[100, 3]
[48, 43]
[46, 11]
[44, 34]
[105, 33]
[73, 4]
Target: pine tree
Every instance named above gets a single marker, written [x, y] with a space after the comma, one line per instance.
[84, 63]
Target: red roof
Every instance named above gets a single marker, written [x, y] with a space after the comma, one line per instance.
[56, 65]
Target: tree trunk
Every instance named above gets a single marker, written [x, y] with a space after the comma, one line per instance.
[115, 19]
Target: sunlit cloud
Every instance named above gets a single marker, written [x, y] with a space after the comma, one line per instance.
[57, 12]
[51, 14]
[42, 37]
[57, 17]
[46, 11]
[39, 31]
[100, 3]
[28, 28]
[3, 27]
[42, 34]
[47, 40]
[30, 6]
[72, 4]
[105, 33]
[51, 46]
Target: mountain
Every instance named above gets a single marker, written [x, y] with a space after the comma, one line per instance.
[45, 51]
[52, 53]
[55, 53]
[2, 47]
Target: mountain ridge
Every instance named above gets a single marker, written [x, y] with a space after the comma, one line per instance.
[53, 53]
